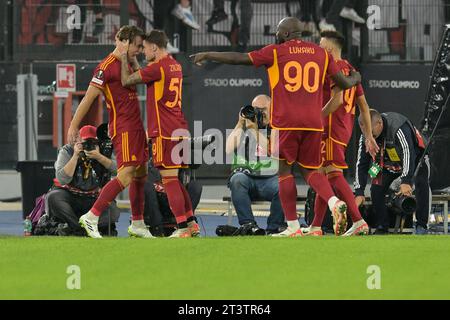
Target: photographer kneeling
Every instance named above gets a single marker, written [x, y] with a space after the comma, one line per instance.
[401, 148]
[81, 170]
[254, 173]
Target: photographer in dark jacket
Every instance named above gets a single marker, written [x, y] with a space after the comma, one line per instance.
[254, 173]
[81, 170]
[401, 148]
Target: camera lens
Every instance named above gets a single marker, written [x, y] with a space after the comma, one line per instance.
[90, 144]
[248, 112]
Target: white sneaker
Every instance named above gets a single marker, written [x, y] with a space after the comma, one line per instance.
[312, 231]
[139, 231]
[359, 228]
[350, 13]
[185, 15]
[172, 49]
[325, 26]
[289, 233]
[90, 226]
[181, 233]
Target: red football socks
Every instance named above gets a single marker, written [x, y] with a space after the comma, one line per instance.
[320, 208]
[176, 199]
[137, 197]
[107, 195]
[345, 193]
[320, 185]
[288, 196]
[187, 203]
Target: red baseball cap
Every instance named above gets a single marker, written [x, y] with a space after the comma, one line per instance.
[88, 132]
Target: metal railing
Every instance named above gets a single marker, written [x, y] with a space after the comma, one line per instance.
[407, 30]
[400, 30]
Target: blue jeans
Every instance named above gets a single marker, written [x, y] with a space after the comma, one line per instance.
[245, 188]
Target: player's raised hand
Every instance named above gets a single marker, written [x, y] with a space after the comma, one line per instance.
[199, 58]
[372, 147]
[122, 46]
[356, 75]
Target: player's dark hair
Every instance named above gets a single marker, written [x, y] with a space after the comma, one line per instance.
[335, 36]
[157, 37]
[129, 33]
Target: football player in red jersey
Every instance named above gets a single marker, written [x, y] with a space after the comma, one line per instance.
[164, 77]
[126, 131]
[297, 70]
[339, 118]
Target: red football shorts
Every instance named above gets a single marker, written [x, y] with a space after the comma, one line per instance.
[169, 154]
[333, 153]
[298, 146]
[131, 149]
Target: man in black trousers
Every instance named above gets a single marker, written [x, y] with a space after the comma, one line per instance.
[401, 148]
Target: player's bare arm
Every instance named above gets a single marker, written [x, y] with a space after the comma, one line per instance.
[371, 144]
[234, 139]
[345, 82]
[237, 58]
[91, 94]
[126, 78]
[334, 103]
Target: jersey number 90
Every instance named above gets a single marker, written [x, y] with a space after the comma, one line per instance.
[301, 76]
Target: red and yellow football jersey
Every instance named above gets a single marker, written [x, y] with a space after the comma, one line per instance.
[122, 103]
[297, 70]
[164, 80]
[339, 124]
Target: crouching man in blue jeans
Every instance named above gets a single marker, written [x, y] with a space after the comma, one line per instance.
[254, 173]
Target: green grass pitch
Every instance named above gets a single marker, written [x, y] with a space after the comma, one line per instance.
[411, 267]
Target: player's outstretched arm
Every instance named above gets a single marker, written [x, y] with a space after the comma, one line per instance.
[371, 144]
[334, 103]
[126, 78]
[91, 94]
[345, 82]
[222, 57]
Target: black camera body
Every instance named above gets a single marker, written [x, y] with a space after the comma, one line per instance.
[253, 114]
[401, 204]
[104, 141]
[90, 144]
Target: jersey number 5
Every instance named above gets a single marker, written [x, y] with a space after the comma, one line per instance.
[175, 86]
[301, 76]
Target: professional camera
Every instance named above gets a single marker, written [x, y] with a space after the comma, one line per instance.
[90, 144]
[401, 204]
[253, 114]
[104, 141]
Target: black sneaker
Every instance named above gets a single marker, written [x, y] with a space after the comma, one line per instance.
[216, 17]
[420, 230]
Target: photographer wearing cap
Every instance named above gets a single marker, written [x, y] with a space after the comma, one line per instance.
[81, 170]
[401, 148]
[254, 173]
